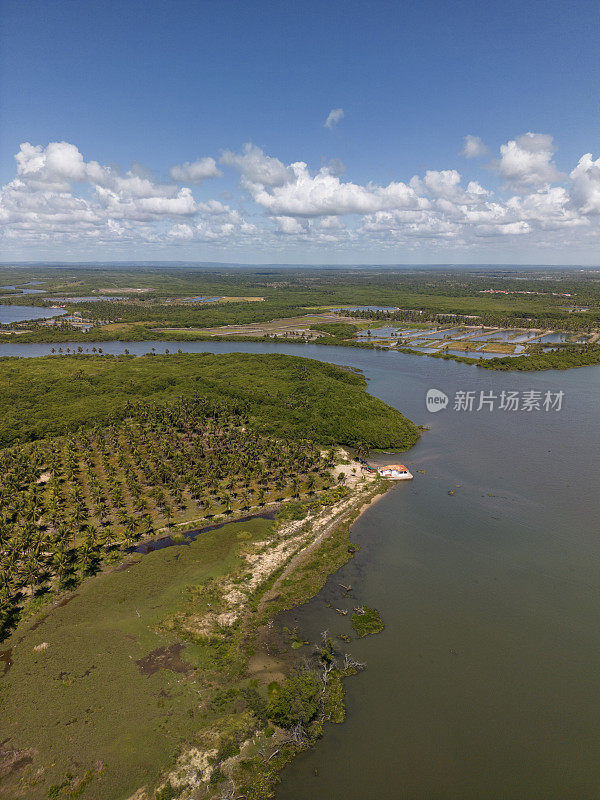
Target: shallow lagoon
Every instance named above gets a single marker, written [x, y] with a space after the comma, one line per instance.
[23, 287]
[23, 313]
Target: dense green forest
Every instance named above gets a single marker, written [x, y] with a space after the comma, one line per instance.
[284, 395]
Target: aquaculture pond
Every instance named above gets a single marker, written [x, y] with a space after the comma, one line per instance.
[495, 336]
[554, 338]
[202, 299]
[524, 336]
[384, 332]
[444, 333]
[421, 333]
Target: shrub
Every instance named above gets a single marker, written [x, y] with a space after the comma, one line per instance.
[297, 700]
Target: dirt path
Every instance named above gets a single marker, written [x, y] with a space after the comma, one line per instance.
[328, 525]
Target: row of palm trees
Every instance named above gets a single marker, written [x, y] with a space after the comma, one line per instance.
[68, 502]
[78, 351]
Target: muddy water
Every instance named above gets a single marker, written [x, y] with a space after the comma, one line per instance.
[188, 536]
[6, 660]
[485, 683]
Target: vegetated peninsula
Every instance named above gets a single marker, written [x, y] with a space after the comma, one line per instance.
[157, 512]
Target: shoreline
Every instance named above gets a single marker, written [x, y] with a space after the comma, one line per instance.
[327, 544]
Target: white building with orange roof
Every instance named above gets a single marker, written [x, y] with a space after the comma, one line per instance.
[397, 472]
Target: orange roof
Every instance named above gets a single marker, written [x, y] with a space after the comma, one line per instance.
[395, 466]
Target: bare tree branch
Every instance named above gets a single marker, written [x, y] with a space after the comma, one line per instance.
[351, 663]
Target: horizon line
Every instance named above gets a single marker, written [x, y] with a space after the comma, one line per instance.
[297, 265]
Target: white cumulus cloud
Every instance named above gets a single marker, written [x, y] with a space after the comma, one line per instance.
[585, 191]
[325, 194]
[195, 171]
[473, 147]
[526, 161]
[334, 116]
[105, 205]
[289, 225]
[256, 167]
[58, 196]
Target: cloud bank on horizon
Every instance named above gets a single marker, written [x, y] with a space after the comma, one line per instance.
[57, 198]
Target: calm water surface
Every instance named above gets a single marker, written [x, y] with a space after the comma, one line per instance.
[23, 313]
[22, 287]
[486, 680]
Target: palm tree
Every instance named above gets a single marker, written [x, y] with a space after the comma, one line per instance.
[147, 527]
[226, 500]
[89, 556]
[31, 573]
[362, 450]
[131, 531]
[63, 563]
[6, 580]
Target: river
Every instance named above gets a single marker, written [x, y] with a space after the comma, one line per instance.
[485, 683]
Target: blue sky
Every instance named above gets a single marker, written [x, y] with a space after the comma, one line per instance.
[138, 88]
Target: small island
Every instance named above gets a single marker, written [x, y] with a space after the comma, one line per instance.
[366, 621]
